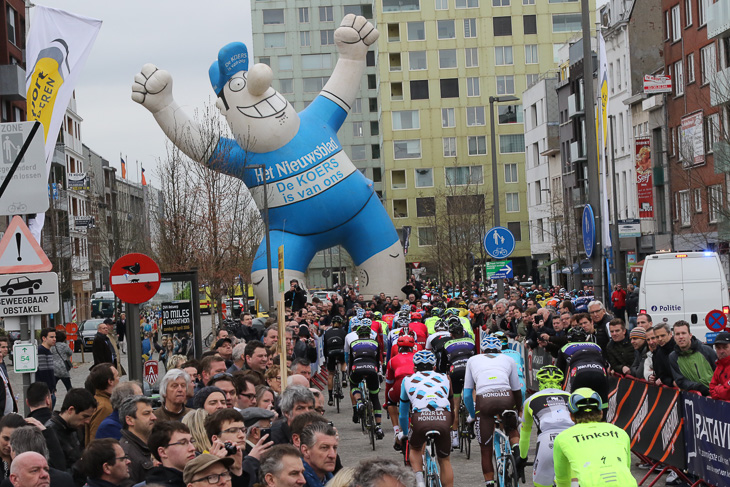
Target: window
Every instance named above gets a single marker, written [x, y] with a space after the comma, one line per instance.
[396, 91]
[419, 90]
[566, 23]
[687, 13]
[357, 129]
[472, 86]
[510, 173]
[416, 31]
[424, 178]
[464, 205]
[359, 152]
[314, 85]
[374, 127]
[285, 63]
[678, 79]
[400, 208]
[400, 5]
[447, 58]
[398, 179]
[442, 4]
[425, 207]
[510, 114]
[529, 24]
[446, 29]
[448, 119]
[470, 27]
[393, 32]
[684, 211]
[417, 60]
[377, 175]
[449, 88]
[304, 40]
[327, 37]
[273, 16]
[503, 55]
[707, 63]
[462, 175]
[528, 2]
[275, 39]
[532, 79]
[690, 68]
[316, 61]
[531, 54]
[467, 3]
[475, 116]
[702, 6]
[286, 86]
[676, 24]
[357, 106]
[326, 14]
[12, 34]
[375, 152]
[449, 146]
[516, 229]
[303, 15]
[426, 236]
[364, 10]
[698, 200]
[472, 57]
[407, 149]
[477, 145]
[714, 202]
[712, 130]
[505, 85]
[500, 3]
[502, 26]
[512, 202]
[406, 120]
[509, 144]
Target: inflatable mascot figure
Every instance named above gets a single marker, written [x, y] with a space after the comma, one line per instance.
[316, 196]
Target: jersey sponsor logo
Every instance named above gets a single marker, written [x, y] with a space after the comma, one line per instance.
[596, 436]
[432, 415]
[496, 394]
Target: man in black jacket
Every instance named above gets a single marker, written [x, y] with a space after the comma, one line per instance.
[102, 348]
[619, 351]
[30, 439]
[172, 446]
[78, 407]
[295, 297]
[105, 464]
[39, 401]
[137, 418]
[665, 346]
[600, 322]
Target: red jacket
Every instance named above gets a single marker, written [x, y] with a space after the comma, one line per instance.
[720, 383]
[618, 298]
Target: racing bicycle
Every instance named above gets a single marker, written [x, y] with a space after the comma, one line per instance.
[465, 431]
[431, 470]
[367, 414]
[505, 466]
[337, 386]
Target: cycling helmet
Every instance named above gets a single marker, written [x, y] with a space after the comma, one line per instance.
[406, 341]
[378, 315]
[577, 335]
[366, 322]
[354, 323]
[363, 331]
[337, 320]
[415, 316]
[438, 312]
[406, 307]
[491, 343]
[369, 315]
[456, 328]
[452, 320]
[440, 326]
[502, 337]
[424, 357]
[550, 377]
[452, 312]
[585, 400]
[360, 312]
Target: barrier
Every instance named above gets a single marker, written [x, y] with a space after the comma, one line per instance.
[707, 427]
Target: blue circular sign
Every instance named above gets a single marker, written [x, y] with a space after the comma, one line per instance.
[716, 320]
[499, 242]
[589, 230]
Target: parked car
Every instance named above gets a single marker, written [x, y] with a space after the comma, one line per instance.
[87, 332]
[324, 295]
[234, 306]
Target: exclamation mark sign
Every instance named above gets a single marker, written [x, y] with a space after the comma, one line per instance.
[17, 242]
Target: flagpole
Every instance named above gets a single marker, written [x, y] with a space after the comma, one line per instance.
[602, 157]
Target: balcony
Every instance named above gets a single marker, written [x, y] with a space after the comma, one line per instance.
[718, 19]
[652, 103]
[722, 157]
[720, 87]
[575, 105]
[12, 82]
[578, 151]
[553, 141]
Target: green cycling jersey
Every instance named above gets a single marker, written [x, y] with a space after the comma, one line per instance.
[597, 454]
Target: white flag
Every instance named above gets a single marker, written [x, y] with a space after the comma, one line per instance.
[58, 45]
[603, 115]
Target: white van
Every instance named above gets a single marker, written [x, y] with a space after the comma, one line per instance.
[103, 295]
[683, 286]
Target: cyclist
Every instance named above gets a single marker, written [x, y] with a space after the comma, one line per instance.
[401, 327]
[349, 338]
[593, 452]
[455, 312]
[426, 395]
[516, 356]
[548, 409]
[493, 377]
[430, 322]
[364, 363]
[439, 336]
[400, 366]
[334, 350]
[582, 361]
[456, 352]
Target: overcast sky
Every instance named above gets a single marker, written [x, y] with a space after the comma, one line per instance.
[180, 36]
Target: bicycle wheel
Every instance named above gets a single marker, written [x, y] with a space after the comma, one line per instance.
[467, 440]
[460, 429]
[511, 478]
[363, 416]
[338, 390]
[433, 477]
[371, 424]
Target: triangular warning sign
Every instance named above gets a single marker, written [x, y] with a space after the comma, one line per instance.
[19, 252]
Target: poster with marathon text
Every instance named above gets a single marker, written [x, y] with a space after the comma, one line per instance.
[644, 183]
[177, 317]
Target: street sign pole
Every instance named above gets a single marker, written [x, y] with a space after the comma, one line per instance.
[27, 380]
[197, 333]
[134, 348]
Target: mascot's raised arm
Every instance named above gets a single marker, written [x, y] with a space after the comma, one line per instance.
[317, 198]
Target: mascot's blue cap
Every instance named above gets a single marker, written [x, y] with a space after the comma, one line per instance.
[232, 58]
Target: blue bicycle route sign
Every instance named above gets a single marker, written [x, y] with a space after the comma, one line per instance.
[499, 242]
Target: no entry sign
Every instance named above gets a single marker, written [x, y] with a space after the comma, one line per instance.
[135, 278]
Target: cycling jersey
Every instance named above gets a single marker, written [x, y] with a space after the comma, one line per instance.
[517, 357]
[430, 323]
[428, 395]
[597, 454]
[438, 336]
[400, 366]
[364, 351]
[491, 372]
[578, 356]
[334, 340]
[421, 333]
[351, 337]
[548, 409]
[391, 343]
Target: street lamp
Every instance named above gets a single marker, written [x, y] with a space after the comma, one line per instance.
[495, 180]
[262, 167]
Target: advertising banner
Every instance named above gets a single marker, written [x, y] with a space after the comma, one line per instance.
[657, 84]
[177, 317]
[651, 416]
[644, 185]
[77, 181]
[707, 429]
[692, 141]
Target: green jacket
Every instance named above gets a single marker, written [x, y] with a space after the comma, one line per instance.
[692, 369]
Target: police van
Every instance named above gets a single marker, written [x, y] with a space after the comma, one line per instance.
[683, 286]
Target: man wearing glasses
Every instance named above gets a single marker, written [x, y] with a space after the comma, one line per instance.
[105, 464]
[206, 470]
[600, 321]
[172, 446]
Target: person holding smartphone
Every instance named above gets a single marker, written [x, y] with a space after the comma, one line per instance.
[258, 424]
